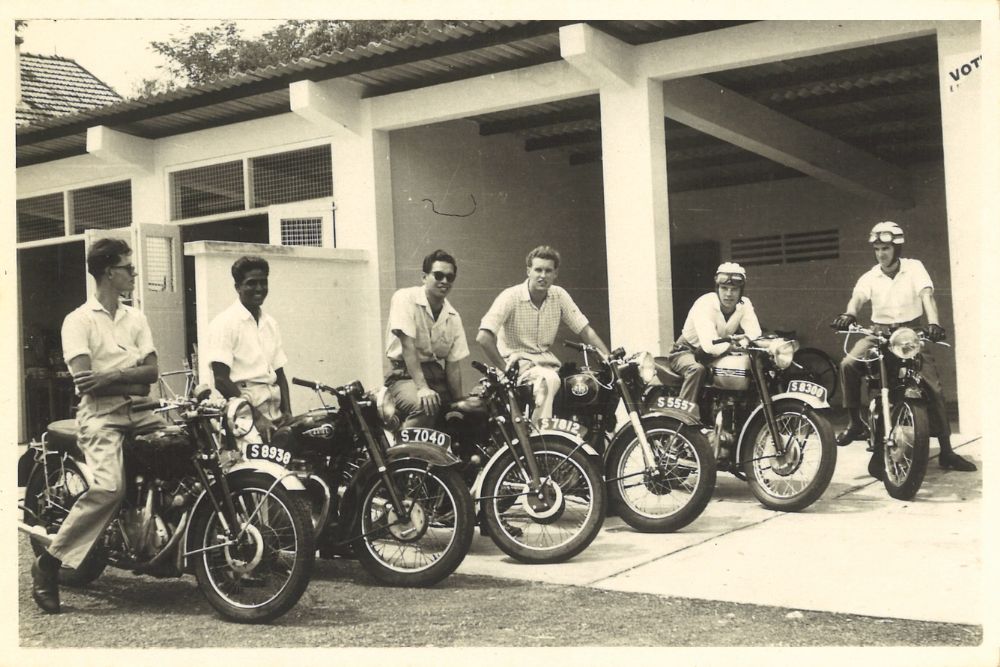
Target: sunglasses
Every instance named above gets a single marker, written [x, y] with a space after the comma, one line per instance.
[881, 237]
[128, 267]
[441, 275]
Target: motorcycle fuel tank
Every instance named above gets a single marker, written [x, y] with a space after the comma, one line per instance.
[317, 433]
[730, 372]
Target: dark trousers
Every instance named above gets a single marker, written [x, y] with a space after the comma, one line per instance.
[403, 391]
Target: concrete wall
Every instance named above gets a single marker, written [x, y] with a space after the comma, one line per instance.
[317, 295]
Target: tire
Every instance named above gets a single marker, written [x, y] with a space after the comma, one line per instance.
[428, 547]
[818, 367]
[279, 548]
[796, 480]
[905, 459]
[558, 533]
[668, 503]
[66, 484]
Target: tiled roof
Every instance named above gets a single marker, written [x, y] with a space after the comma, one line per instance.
[54, 86]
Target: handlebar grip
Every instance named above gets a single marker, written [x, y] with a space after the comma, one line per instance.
[139, 406]
[304, 383]
[479, 366]
[725, 339]
[573, 344]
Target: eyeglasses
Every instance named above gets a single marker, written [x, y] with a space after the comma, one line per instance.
[441, 275]
[128, 267]
[881, 237]
[730, 279]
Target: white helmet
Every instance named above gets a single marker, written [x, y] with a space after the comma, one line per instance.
[887, 232]
[730, 273]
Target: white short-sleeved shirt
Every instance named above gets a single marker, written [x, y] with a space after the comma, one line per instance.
[442, 339]
[705, 322]
[252, 349]
[111, 342]
[521, 327]
[897, 299]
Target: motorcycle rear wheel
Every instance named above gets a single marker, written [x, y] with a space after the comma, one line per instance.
[573, 521]
[432, 543]
[667, 504]
[265, 574]
[796, 480]
[905, 460]
[65, 486]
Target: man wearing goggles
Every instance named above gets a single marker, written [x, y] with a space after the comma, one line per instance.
[424, 343]
[900, 291]
[724, 312]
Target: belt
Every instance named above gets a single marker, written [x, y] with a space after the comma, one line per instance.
[400, 364]
[245, 384]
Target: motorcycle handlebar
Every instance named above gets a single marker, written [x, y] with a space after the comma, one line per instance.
[574, 345]
[305, 383]
[724, 339]
[480, 366]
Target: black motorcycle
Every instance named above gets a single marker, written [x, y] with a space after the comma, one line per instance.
[404, 511]
[658, 466]
[191, 505]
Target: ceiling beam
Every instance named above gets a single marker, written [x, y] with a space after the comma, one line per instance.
[502, 126]
[561, 140]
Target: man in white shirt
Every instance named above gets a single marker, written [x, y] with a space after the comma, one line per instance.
[109, 350]
[900, 291]
[244, 349]
[724, 312]
[521, 325]
[424, 343]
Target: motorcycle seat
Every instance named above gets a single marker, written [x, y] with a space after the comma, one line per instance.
[666, 376]
[62, 434]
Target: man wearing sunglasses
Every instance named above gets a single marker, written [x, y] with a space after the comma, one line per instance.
[900, 291]
[724, 312]
[522, 323]
[425, 342]
[109, 350]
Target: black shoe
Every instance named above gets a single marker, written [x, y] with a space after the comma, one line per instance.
[45, 588]
[951, 460]
[876, 467]
[856, 431]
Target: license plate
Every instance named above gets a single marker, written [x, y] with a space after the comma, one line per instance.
[675, 403]
[808, 388]
[268, 453]
[424, 436]
[564, 425]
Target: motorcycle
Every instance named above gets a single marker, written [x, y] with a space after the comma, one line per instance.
[899, 400]
[541, 497]
[404, 511]
[658, 466]
[763, 428]
[191, 505]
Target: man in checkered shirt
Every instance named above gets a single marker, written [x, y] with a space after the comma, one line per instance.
[521, 326]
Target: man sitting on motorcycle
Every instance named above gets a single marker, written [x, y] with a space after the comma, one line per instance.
[521, 325]
[900, 291]
[724, 312]
[424, 332]
[109, 350]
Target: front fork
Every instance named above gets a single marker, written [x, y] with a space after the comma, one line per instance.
[376, 452]
[765, 398]
[886, 407]
[631, 406]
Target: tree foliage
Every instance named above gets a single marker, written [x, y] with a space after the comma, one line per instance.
[222, 50]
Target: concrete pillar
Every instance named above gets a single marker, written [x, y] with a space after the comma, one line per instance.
[960, 50]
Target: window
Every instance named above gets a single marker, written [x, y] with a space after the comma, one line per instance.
[787, 248]
[40, 218]
[291, 176]
[101, 207]
[217, 188]
[302, 231]
[159, 269]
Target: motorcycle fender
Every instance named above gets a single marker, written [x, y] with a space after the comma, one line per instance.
[575, 439]
[422, 452]
[28, 461]
[477, 486]
[758, 413]
[813, 402]
[682, 416]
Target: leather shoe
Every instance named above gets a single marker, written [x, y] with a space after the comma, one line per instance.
[45, 588]
[951, 460]
[876, 466]
[856, 431]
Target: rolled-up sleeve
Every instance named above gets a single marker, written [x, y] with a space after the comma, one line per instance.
[220, 344]
[498, 313]
[862, 290]
[572, 316]
[144, 337]
[459, 347]
[280, 358]
[74, 337]
[921, 279]
[401, 319]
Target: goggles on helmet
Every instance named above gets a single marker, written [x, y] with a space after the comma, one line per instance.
[736, 279]
[881, 237]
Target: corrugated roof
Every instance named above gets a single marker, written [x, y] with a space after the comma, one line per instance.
[55, 86]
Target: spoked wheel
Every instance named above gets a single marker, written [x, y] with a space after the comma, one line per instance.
[48, 502]
[818, 367]
[905, 456]
[559, 520]
[797, 477]
[676, 491]
[264, 573]
[424, 541]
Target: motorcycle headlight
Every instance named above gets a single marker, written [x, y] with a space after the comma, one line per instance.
[905, 343]
[647, 367]
[783, 352]
[239, 417]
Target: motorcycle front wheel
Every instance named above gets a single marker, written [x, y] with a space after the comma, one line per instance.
[47, 501]
[425, 542]
[906, 453]
[795, 479]
[568, 517]
[265, 572]
[669, 496]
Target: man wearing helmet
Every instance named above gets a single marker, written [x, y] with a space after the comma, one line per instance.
[900, 291]
[724, 312]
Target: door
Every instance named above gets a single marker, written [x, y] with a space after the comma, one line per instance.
[160, 294]
[692, 270]
[309, 223]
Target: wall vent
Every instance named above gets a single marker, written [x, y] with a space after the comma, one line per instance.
[788, 248]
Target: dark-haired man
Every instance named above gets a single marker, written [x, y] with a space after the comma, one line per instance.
[424, 343]
[244, 349]
[109, 350]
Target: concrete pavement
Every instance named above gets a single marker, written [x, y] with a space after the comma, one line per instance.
[855, 551]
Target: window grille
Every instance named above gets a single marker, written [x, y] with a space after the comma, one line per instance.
[40, 218]
[302, 231]
[101, 207]
[159, 264]
[787, 248]
[217, 188]
[291, 176]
